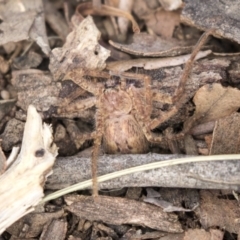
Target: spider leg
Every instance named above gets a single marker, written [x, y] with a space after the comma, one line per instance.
[189, 64]
[99, 125]
[79, 77]
[142, 113]
[179, 97]
[79, 105]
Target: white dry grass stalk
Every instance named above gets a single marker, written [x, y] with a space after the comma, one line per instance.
[150, 166]
[21, 186]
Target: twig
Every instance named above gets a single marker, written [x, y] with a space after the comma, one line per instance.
[169, 173]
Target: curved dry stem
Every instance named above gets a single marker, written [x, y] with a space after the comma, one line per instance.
[88, 9]
[145, 167]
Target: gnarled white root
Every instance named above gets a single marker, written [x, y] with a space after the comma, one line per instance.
[21, 186]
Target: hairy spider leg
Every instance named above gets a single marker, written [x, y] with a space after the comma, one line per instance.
[188, 66]
[78, 77]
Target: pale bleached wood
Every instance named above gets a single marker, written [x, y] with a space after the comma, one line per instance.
[21, 186]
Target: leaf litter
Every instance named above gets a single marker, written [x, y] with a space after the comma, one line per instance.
[212, 97]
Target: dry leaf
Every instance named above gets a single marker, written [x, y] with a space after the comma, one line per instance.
[152, 46]
[23, 19]
[226, 135]
[212, 211]
[213, 101]
[81, 50]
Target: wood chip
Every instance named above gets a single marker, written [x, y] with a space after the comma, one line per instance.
[57, 229]
[122, 211]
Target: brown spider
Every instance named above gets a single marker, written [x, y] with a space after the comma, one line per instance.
[123, 116]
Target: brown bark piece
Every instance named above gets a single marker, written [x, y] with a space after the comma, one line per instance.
[127, 211]
[226, 135]
[201, 234]
[12, 134]
[223, 17]
[56, 230]
[39, 88]
[147, 45]
[32, 224]
[215, 211]
[36, 87]
[5, 107]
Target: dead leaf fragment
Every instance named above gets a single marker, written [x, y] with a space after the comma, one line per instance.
[212, 211]
[23, 20]
[226, 135]
[152, 46]
[127, 211]
[81, 50]
[213, 101]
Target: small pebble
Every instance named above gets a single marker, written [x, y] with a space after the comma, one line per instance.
[5, 95]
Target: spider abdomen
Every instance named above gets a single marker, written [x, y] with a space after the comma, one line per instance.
[123, 134]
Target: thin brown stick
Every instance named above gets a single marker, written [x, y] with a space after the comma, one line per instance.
[89, 9]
